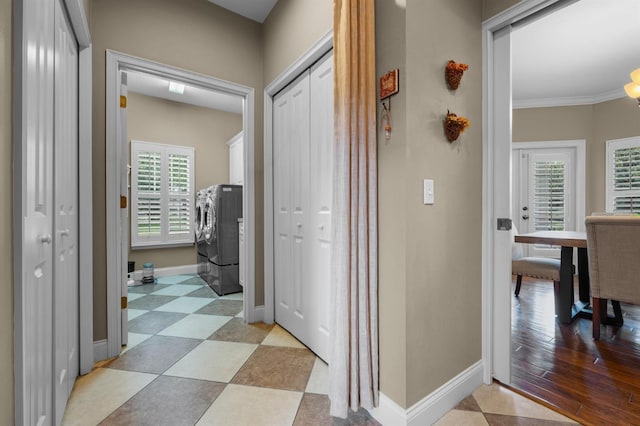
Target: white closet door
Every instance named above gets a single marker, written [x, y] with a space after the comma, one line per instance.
[65, 239]
[291, 186]
[320, 171]
[34, 362]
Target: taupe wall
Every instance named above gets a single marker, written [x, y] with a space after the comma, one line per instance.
[392, 193]
[444, 240]
[595, 123]
[491, 8]
[158, 120]
[291, 28]
[6, 214]
[191, 34]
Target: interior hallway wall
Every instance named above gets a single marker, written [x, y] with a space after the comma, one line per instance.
[444, 240]
[151, 119]
[6, 215]
[291, 28]
[596, 124]
[190, 34]
[392, 193]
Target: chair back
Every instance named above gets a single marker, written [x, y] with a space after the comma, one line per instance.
[613, 244]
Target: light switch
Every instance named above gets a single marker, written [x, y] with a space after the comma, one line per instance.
[429, 195]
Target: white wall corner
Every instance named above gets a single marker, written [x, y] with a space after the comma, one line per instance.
[100, 350]
[433, 406]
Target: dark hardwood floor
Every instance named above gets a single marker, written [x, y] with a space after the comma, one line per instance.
[595, 383]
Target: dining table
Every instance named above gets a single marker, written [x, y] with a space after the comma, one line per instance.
[566, 307]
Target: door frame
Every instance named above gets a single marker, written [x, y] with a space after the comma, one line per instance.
[23, 23]
[120, 61]
[315, 52]
[496, 308]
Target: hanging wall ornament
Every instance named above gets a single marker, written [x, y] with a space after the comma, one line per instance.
[454, 125]
[453, 73]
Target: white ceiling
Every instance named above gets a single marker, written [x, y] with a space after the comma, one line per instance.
[257, 10]
[581, 54]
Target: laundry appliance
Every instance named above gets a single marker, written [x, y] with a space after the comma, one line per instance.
[222, 209]
[201, 242]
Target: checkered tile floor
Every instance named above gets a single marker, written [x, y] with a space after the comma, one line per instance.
[192, 360]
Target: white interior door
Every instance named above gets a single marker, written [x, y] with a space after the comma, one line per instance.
[65, 239]
[321, 193]
[303, 144]
[291, 190]
[124, 210]
[546, 193]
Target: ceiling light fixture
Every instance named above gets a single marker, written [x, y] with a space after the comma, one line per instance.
[633, 88]
[176, 87]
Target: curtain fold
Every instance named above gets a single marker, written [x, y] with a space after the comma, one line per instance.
[353, 367]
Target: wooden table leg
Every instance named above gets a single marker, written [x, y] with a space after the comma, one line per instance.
[564, 303]
[583, 275]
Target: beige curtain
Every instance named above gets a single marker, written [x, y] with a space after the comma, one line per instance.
[353, 370]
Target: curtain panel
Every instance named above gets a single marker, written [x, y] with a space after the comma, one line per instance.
[353, 366]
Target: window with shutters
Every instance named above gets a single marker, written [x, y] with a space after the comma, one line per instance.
[623, 176]
[161, 194]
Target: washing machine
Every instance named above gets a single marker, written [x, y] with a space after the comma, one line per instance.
[201, 243]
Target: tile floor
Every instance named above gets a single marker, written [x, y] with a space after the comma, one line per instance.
[192, 360]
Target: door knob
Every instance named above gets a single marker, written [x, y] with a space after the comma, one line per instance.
[525, 208]
[45, 239]
[64, 233]
[525, 216]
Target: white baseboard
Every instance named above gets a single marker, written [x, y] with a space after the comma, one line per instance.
[170, 270]
[100, 350]
[258, 313]
[433, 406]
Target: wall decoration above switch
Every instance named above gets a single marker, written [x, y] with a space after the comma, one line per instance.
[453, 73]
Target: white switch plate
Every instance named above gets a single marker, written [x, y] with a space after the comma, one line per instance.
[429, 196]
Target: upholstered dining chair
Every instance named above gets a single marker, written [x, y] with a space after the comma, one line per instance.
[613, 244]
[545, 268]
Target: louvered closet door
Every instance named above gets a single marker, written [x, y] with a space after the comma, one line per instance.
[550, 195]
[291, 192]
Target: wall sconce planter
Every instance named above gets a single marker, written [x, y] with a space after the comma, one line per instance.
[454, 125]
[453, 73]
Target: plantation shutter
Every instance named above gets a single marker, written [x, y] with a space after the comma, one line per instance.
[549, 210]
[161, 194]
[626, 178]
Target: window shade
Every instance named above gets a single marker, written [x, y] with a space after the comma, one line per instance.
[549, 196]
[161, 194]
[623, 175]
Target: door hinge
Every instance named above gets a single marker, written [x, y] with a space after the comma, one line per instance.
[123, 303]
[123, 101]
[123, 202]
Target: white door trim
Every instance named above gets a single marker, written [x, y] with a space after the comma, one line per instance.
[496, 346]
[117, 61]
[315, 52]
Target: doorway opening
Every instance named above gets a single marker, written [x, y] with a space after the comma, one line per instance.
[117, 180]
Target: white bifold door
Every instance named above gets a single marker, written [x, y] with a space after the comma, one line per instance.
[302, 164]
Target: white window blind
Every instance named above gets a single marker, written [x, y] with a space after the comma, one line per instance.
[623, 175]
[549, 196]
[161, 194]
